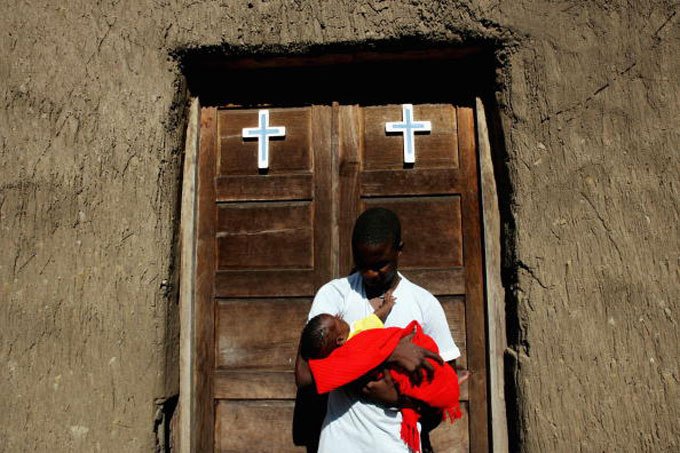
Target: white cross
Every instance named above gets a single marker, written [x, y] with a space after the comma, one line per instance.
[408, 127]
[262, 133]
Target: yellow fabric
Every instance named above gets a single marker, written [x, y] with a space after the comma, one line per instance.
[369, 322]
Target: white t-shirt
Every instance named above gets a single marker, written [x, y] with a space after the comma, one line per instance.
[355, 425]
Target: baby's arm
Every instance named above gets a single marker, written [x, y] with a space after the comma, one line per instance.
[386, 307]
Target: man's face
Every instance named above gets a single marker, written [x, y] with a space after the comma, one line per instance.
[377, 264]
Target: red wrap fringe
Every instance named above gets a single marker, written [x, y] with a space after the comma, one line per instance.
[409, 429]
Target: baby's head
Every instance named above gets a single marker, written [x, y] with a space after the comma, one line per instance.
[322, 334]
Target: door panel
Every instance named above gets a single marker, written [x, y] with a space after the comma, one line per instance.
[255, 283]
[454, 307]
[437, 149]
[276, 236]
[292, 154]
[254, 385]
[433, 238]
[254, 426]
[439, 281]
[258, 333]
[265, 235]
[416, 181]
[273, 187]
[453, 437]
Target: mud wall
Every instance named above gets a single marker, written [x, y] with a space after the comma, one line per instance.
[91, 130]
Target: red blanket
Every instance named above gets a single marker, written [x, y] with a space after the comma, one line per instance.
[370, 348]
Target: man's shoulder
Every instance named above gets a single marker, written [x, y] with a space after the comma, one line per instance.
[416, 290]
[338, 286]
[332, 297]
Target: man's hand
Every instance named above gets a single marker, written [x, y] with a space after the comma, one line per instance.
[412, 359]
[383, 391]
[463, 375]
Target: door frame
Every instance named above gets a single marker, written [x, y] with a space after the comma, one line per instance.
[189, 406]
[188, 396]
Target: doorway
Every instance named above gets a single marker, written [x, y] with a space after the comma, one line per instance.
[267, 239]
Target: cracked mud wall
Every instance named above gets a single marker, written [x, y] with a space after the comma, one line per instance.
[592, 135]
[91, 130]
[88, 173]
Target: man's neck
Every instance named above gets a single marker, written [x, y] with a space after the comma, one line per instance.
[379, 292]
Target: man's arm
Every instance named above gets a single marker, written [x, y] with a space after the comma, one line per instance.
[327, 300]
[310, 408]
[384, 391]
[406, 355]
[412, 359]
[303, 375]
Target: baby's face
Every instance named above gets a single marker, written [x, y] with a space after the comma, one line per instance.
[340, 330]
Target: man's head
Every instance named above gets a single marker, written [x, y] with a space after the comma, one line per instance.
[322, 334]
[376, 246]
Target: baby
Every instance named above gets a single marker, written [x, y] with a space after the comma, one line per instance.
[333, 366]
[324, 333]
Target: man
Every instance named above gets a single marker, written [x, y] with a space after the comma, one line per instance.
[367, 419]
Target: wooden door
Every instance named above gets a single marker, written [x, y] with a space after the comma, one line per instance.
[437, 201]
[263, 240]
[269, 240]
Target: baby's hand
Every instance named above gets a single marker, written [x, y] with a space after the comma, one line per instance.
[390, 300]
[384, 310]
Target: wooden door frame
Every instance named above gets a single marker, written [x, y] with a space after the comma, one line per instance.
[189, 399]
[494, 293]
[195, 337]
[187, 278]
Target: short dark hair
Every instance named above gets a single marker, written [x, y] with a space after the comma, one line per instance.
[377, 226]
[315, 341]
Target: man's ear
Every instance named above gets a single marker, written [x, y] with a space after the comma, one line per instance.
[400, 246]
[339, 340]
